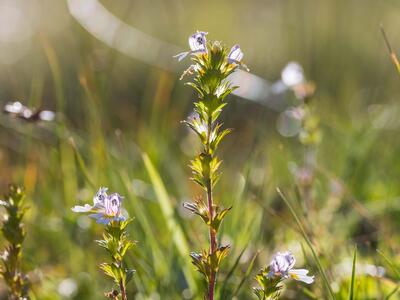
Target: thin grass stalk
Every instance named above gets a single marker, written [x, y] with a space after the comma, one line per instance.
[309, 244]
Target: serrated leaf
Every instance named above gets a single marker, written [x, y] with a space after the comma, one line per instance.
[129, 274]
[110, 270]
[219, 217]
[126, 246]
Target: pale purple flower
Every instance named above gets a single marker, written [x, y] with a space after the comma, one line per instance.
[197, 44]
[282, 266]
[112, 204]
[105, 208]
[100, 196]
[235, 56]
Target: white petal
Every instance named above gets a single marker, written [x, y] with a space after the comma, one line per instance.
[301, 275]
[236, 54]
[181, 55]
[82, 209]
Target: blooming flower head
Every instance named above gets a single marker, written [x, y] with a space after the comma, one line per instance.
[235, 57]
[105, 208]
[282, 266]
[197, 44]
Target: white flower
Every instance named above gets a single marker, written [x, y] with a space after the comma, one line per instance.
[282, 266]
[282, 263]
[301, 275]
[292, 74]
[197, 44]
[105, 208]
[235, 55]
[112, 205]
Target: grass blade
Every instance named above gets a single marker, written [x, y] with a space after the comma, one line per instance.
[390, 264]
[392, 293]
[230, 273]
[303, 233]
[246, 275]
[178, 236]
[81, 163]
[393, 55]
[353, 275]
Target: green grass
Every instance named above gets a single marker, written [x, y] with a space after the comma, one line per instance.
[119, 125]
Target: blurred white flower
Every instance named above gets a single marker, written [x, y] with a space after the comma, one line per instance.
[292, 74]
[67, 288]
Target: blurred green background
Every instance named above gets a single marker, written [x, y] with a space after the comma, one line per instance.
[118, 125]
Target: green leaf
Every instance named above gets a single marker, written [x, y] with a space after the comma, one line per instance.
[129, 274]
[125, 247]
[219, 217]
[218, 256]
[125, 223]
[270, 285]
[111, 270]
[202, 263]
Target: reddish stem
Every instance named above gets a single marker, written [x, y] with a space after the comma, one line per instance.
[123, 290]
[213, 241]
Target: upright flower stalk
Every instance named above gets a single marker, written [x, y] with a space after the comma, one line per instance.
[212, 64]
[310, 133]
[106, 209]
[14, 232]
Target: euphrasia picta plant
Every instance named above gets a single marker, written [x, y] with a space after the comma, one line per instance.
[271, 277]
[212, 64]
[106, 210]
[14, 232]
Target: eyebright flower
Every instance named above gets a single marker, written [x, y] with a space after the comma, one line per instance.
[105, 208]
[282, 266]
[197, 44]
[235, 55]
